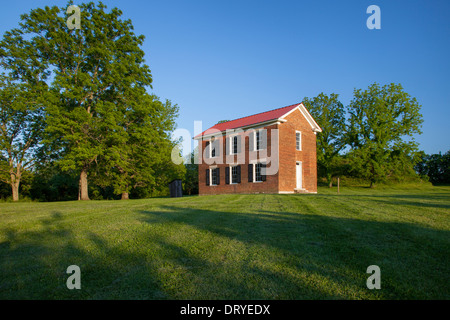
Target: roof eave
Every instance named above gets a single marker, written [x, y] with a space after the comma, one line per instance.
[254, 125]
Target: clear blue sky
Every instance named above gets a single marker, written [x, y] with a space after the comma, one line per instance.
[227, 59]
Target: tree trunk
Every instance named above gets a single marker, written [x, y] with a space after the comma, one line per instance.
[125, 196]
[15, 182]
[15, 190]
[83, 187]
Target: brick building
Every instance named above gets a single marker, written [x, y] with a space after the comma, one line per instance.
[269, 152]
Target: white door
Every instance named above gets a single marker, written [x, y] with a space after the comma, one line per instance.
[299, 175]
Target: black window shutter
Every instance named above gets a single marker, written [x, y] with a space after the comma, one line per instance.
[263, 171]
[227, 175]
[207, 150]
[238, 174]
[250, 172]
[227, 146]
[263, 134]
[239, 144]
[207, 177]
[251, 141]
[218, 175]
[217, 146]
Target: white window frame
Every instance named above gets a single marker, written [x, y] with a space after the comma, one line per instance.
[255, 162]
[211, 150]
[211, 143]
[254, 171]
[300, 142]
[255, 139]
[210, 176]
[231, 146]
[258, 141]
[231, 173]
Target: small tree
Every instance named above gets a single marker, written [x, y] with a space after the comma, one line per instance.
[329, 113]
[383, 121]
[21, 126]
[190, 183]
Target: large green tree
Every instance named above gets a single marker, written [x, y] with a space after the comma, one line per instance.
[329, 113]
[137, 153]
[88, 70]
[21, 127]
[382, 124]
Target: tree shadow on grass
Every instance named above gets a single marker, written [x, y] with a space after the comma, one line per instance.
[435, 200]
[34, 264]
[146, 265]
[179, 253]
[308, 256]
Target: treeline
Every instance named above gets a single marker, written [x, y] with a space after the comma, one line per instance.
[372, 138]
[76, 118]
[435, 167]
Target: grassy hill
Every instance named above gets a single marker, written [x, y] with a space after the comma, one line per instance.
[231, 246]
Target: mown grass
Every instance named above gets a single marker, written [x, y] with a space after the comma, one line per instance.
[231, 246]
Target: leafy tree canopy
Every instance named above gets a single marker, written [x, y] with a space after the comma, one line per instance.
[21, 128]
[382, 124]
[329, 113]
[91, 74]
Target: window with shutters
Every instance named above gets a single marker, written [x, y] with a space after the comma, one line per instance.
[213, 148]
[258, 172]
[214, 177]
[235, 174]
[260, 140]
[207, 150]
[298, 140]
[234, 145]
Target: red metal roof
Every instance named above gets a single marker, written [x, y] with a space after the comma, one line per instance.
[250, 120]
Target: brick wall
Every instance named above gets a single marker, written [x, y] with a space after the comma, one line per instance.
[285, 179]
[289, 155]
[268, 186]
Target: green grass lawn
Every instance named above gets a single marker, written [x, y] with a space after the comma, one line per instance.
[231, 246]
